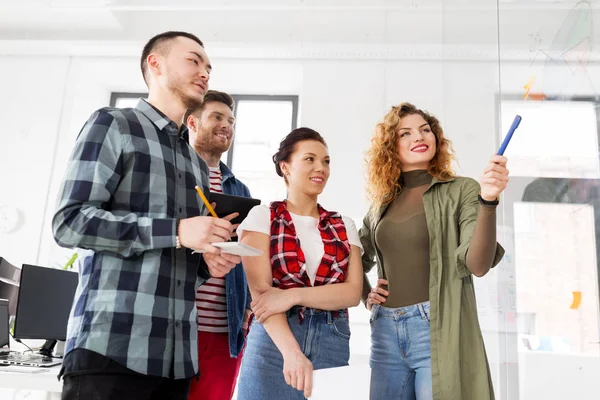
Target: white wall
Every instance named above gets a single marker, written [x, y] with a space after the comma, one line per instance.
[343, 99]
[31, 108]
[51, 97]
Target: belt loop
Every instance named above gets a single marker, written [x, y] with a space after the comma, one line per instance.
[329, 317]
[301, 312]
[422, 311]
[374, 311]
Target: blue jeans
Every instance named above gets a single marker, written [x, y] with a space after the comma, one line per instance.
[324, 338]
[400, 353]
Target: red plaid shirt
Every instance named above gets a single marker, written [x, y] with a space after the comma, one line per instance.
[287, 258]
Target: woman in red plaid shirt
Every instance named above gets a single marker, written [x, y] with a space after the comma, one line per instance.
[308, 275]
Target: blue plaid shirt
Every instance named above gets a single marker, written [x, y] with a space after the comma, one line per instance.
[130, 176]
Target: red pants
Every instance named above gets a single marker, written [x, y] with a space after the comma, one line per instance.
[218, 371]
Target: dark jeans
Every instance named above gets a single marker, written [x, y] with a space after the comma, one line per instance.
[91, 376]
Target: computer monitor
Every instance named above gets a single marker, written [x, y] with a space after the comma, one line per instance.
[4, 340]
[9, 290]
[44, 303]
[9, 271]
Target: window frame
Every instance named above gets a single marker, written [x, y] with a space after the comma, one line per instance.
[260, 97]
[294, 99]
[115, 96]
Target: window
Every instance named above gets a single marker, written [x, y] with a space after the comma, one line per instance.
[124, 100]
[540, 309]
[261, 122]
[556, 138]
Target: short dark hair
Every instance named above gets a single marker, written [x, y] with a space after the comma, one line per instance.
[214, 96]
[161, 42]
[288, 145]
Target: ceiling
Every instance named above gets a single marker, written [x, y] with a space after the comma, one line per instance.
[287, 22]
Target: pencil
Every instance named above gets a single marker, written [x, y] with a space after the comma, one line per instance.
[206, 203]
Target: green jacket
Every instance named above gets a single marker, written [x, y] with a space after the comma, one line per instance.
[459, 364]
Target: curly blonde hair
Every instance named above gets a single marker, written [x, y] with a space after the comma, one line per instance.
[383, 162]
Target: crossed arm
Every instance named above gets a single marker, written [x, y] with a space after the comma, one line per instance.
[270, 305]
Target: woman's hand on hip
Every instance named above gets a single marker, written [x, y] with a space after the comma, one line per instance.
[378, 294]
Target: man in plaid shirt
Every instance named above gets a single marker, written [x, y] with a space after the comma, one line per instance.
[128, 195]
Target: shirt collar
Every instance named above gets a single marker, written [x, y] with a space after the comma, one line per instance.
[225, 171]
[157, 117]
[436, 180]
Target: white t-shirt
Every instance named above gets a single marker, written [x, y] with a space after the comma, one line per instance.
[307, 229]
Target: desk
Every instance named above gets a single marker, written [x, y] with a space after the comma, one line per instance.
[350, 382]
[555, 376]
[16, 382]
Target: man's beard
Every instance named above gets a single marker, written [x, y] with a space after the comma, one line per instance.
[205, 143]
[188, 101]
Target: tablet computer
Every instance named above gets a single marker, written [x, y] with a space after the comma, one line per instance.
[227, 204]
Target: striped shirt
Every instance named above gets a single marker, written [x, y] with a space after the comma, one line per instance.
[210, 297]
[129, 178]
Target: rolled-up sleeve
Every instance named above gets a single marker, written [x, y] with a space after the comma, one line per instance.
[467, 219]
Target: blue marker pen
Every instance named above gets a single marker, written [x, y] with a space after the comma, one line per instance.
[509, 135]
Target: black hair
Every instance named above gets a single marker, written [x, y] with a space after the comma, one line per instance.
[288, 145]
[161, 41]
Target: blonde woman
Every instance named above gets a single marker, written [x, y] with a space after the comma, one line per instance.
[429, 231]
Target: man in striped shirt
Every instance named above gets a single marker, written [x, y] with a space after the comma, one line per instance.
[221, 302]
[128, 196]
